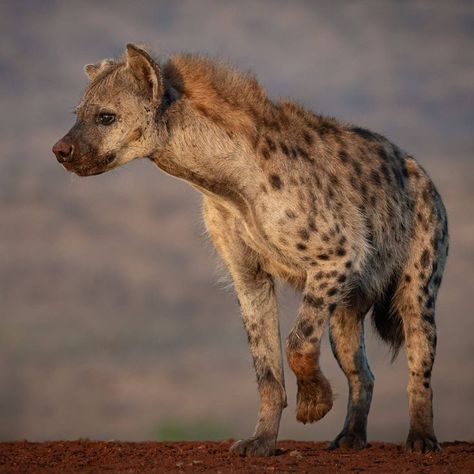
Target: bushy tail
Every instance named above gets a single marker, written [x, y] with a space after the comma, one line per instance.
[387, 321]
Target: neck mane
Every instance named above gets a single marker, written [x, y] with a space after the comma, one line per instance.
[228, 97]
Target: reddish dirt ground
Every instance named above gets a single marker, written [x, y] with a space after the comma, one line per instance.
[293, 456]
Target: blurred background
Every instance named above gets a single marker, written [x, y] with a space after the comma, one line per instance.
[115, 322]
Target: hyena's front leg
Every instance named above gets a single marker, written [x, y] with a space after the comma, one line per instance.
[259, 312]
[347, 342]
[323, 290]
[255, 291]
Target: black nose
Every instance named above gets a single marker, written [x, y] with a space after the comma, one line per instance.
[64, 151]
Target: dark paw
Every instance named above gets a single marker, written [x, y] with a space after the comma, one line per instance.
[349, 441]
[254, 447]
[417, 443]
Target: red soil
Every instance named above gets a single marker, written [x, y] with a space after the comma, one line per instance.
[293, 456]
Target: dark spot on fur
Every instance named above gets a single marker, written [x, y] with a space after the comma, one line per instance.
[284, 149]
[275, 181]
[323, 256]
[332, 307]
[322, 126]
[340, 252]
[270, 143]
[307, 137]
[341, 278]
[271, 124]
[290, 214]
[375, 177]
[343, 156]
[311, 224]
[425, 258]
[429, 318]
[332, 291]
[301, 246]
[348, 264]
[306, 328]
[357, 167]
[311, 300]
[265, 153]
[426, 385]
[408, 278]
[304, 234]
[304, 154]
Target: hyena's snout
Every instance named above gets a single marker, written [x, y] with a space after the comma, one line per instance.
[64, 150]
[80, 158]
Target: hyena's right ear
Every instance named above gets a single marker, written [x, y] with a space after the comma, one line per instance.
[93, 70]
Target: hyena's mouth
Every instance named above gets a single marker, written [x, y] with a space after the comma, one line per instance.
[87, 166]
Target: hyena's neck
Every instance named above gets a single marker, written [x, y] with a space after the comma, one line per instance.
[211, 128]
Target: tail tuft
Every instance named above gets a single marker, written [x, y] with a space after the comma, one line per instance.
[387, 321]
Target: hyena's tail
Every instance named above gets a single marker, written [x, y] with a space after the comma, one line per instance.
[387, 321]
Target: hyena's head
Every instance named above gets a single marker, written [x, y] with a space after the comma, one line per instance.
[116, 116]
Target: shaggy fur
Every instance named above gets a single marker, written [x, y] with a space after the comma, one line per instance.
[335, 210]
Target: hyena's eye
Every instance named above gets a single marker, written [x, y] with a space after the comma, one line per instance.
[106, 118]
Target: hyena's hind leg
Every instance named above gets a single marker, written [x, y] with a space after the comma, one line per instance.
[347, 342]
[415, 300]
[255, 291]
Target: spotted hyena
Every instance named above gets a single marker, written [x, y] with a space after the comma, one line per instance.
[337, 211]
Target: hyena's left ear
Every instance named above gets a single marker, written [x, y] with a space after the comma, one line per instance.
[146, 71]
[93, 70]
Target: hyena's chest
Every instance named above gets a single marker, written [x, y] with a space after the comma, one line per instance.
[258, 236]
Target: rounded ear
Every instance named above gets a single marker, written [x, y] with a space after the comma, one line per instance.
[93, 70]
[145, 70]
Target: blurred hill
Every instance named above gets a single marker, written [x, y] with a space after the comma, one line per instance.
[113, 317]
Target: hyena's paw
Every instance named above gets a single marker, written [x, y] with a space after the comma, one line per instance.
[349, 441]
[418, 443]
[256, 446]
[313, 401]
